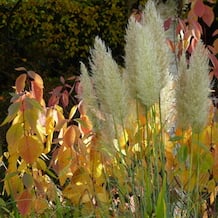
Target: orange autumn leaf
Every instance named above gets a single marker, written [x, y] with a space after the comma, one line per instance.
[85, 124]
[40, 205]
[20, 83]
[70, 136]
[36, 78]
[37, 92]
[30, 148]
[215, 45]
[24, 202]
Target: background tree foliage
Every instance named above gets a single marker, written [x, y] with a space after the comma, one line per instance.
[51, 37]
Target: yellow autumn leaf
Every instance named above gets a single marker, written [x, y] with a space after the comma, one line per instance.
[13, 184]
[72, 111]
[30, 148]
[13, 135]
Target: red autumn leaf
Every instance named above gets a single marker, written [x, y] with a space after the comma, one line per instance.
[181, 26]
[20, 83]
[197, 30]
[65, 98]
[214, 61]
[208, 16]
[167, 23]
[24, 202]
[30, 148]
[53, 100]
[198, 8]
[192, 16]
[171, 45]
[215, 32]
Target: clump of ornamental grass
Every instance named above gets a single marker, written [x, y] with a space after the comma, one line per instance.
[137, 168]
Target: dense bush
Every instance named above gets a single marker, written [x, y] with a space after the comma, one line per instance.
[52, 36]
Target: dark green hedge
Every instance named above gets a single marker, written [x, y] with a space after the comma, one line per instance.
[52, 36]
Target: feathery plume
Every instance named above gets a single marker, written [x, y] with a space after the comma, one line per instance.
[108, 83]
[131, 54]
[154, 22]
[193, 90]
[148, 75]
[146, 56]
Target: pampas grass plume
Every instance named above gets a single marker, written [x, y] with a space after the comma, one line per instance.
[193, 90]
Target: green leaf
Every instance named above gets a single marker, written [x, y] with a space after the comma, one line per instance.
[32, 103]
[27, 180]
[182, 153]
[175, 138]
[161, 211]
[12, 112]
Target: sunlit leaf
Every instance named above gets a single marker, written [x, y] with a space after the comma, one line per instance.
[30, 148]
[72, 111]
[41, 164]
[37, 92]
[20, 83]
[20, 69]
[13, 183]
[12, 112]
[70, 136]
[14, 134]
[40, 205]
[84, 124]
[31, 103]
[37, 78]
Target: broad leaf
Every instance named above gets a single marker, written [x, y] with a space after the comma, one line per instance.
[72, 111]
[208, 16]
[27, 180]
[20, 83]
[30, 148]
[13, 135]
[38, 80]
[70, 136]
[199, 8]
[24, 202]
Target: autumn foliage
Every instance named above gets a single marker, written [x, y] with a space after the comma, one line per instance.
[58, 159]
